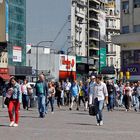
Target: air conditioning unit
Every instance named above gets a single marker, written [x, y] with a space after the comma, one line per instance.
[126, 11]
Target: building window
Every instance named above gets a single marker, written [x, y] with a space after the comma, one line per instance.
[136, 3]
[125, 5]
[125, 29]
[136, 28]
[111, 61]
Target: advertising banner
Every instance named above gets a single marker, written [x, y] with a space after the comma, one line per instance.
[17, 54]
[67, 63]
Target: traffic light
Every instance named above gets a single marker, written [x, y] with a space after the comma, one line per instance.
[127, 75]
[121, 75]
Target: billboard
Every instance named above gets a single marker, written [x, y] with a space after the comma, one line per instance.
[17, 54]
[67, 63]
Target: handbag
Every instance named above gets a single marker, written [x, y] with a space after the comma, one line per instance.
[7, 101]
[93, 110]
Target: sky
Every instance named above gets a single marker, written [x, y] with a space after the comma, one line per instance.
[44, 19]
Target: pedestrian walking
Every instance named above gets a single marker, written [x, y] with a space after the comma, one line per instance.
[67, 92]
[100, 94]
[41, 92]
[51, 95]
[74, 95]
[14, 104]
[91, 89]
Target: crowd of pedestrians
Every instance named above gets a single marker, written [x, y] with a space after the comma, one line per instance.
[75, 94]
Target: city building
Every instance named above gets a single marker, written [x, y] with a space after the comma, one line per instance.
[13, 38]
[93, 32]
[129, 39]
[112, 28]
[85, 33]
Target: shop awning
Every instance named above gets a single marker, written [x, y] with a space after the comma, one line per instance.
[5, 76]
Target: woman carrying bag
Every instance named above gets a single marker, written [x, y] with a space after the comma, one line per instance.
[14, 103]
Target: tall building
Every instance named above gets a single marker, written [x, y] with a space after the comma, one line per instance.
[93, 31]
[79, 26]
[112, 28]
[13, 36]
[85, 31]
[130, 38]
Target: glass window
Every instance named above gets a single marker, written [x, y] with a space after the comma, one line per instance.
[125, 5]
[136, 28]
[125, 29]
[111, 61]
[136, 3]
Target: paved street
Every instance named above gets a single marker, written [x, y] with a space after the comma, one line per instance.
[71, 125]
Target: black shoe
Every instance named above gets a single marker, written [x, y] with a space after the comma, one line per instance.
[70, 109]
[77, 109]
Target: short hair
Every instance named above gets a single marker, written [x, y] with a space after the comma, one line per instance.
[99, 77]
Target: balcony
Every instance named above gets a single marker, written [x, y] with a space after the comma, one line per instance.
[111, 53]
[78, 29]
[94, 47]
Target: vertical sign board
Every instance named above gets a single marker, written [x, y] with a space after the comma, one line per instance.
[7, 18]
[17, 54]
[102, 57]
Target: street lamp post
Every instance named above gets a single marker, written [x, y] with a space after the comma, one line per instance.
[37, 55]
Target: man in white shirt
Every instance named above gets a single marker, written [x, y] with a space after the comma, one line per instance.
[91, 89]
[67, 92]
[100, 94]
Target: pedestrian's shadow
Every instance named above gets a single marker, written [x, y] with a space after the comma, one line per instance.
[3, 116]
[80, 113]
[4, 125]
[83, 124]
[28, 117]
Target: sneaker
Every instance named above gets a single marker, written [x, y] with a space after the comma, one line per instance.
[15, 125]
[97, 124]
[101, 123]
[52, 112]
[11, 124]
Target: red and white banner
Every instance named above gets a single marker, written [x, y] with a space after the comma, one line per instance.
[67, 63]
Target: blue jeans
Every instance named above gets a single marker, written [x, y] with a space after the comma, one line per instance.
[41, 105]
[51, 101]
[110, 102]
[99, 105]
[137, 104]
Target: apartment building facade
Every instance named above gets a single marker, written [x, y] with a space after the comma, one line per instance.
[112, 28]
[130, 38]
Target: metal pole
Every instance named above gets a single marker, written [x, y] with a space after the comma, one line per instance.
[99, 53]
[37, 55]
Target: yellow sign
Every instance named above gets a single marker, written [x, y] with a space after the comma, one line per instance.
[127, 75]
[121, 75]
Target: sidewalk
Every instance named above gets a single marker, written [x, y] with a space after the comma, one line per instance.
[71, 125]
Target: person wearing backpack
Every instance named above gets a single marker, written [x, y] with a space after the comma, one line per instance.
[74, 95]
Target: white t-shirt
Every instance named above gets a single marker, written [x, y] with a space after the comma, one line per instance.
[100, 91]
[67, 86]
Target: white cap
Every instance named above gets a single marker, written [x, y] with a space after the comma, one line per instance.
[93, 77]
